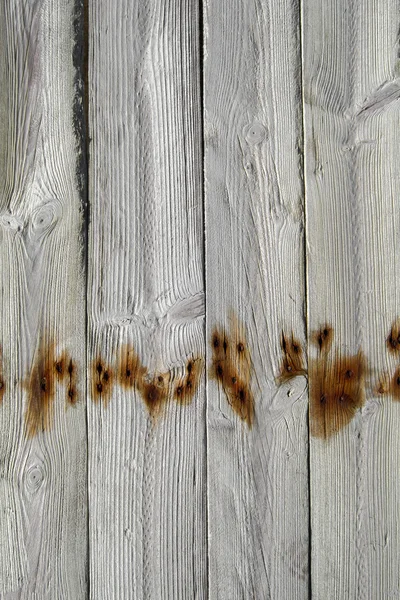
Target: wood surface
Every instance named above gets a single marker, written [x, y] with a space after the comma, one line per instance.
[351, 117]
[147, 486]
[200, 332]
[43, 440]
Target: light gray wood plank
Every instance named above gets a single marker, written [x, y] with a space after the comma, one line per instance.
[258, 475]
[43, 445]
[146, 293]
[351, 92]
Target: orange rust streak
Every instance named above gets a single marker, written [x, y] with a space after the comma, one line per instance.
[232, 368]
[40, 385]
[337, 391]
[292, 362]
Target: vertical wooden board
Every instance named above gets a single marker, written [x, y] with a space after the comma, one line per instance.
[257, 466]
[43, 489]
[146, 292]
[351, 93]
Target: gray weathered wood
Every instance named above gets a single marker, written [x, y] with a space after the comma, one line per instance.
[43, 447]
[352, 137]
[146, 293]
[258, 476]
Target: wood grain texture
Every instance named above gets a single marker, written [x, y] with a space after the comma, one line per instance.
[351, 92]
[43, 489]
[257, 467]
[146, 297]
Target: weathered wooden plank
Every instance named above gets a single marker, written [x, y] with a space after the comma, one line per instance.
[351, 93]
[146, 294]
[43, 447]
[257, 465]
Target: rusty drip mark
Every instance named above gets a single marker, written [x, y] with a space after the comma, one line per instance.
[232, 369]
[292, 364]
[337, 389]
[40, 385]
[185, 388]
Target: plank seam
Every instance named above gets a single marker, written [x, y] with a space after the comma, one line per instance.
[305, 263]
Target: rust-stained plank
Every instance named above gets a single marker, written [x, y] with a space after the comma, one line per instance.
[147, 494]
[43, 443]
[352, 136]
[255, 290]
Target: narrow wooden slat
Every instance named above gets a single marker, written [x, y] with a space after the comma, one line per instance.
[351, 92]
[43, 448]
[146, 293]
[257, 466]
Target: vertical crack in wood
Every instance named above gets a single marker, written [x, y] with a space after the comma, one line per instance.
[81, 128]
[302, 161]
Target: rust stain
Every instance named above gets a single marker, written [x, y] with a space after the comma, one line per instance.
[154, 389]
[292, 363]
[393, 339]
[130, 370]
[102, 381]
[40, 385]
[337, 388]
[390, 385]
[323, 338]
[72, 397]
[185, 389]
[232, 368]
[154, 392]
[66, 372]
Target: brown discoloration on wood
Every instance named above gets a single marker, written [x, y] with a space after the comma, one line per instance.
[102, 381]
[337, 389]
[154, 392]
[2, 381]
[60, 365]
[185, 389]
[293, 359]
[40, 385]
[66, 372]
[130, 370]
[232, 368]
[390, 385]
[323, 338]
[72, 396]
[393, 339]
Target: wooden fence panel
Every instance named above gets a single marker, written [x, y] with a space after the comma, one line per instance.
[352, 137]
[146, 303]
[43, 442]
[257, 394]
